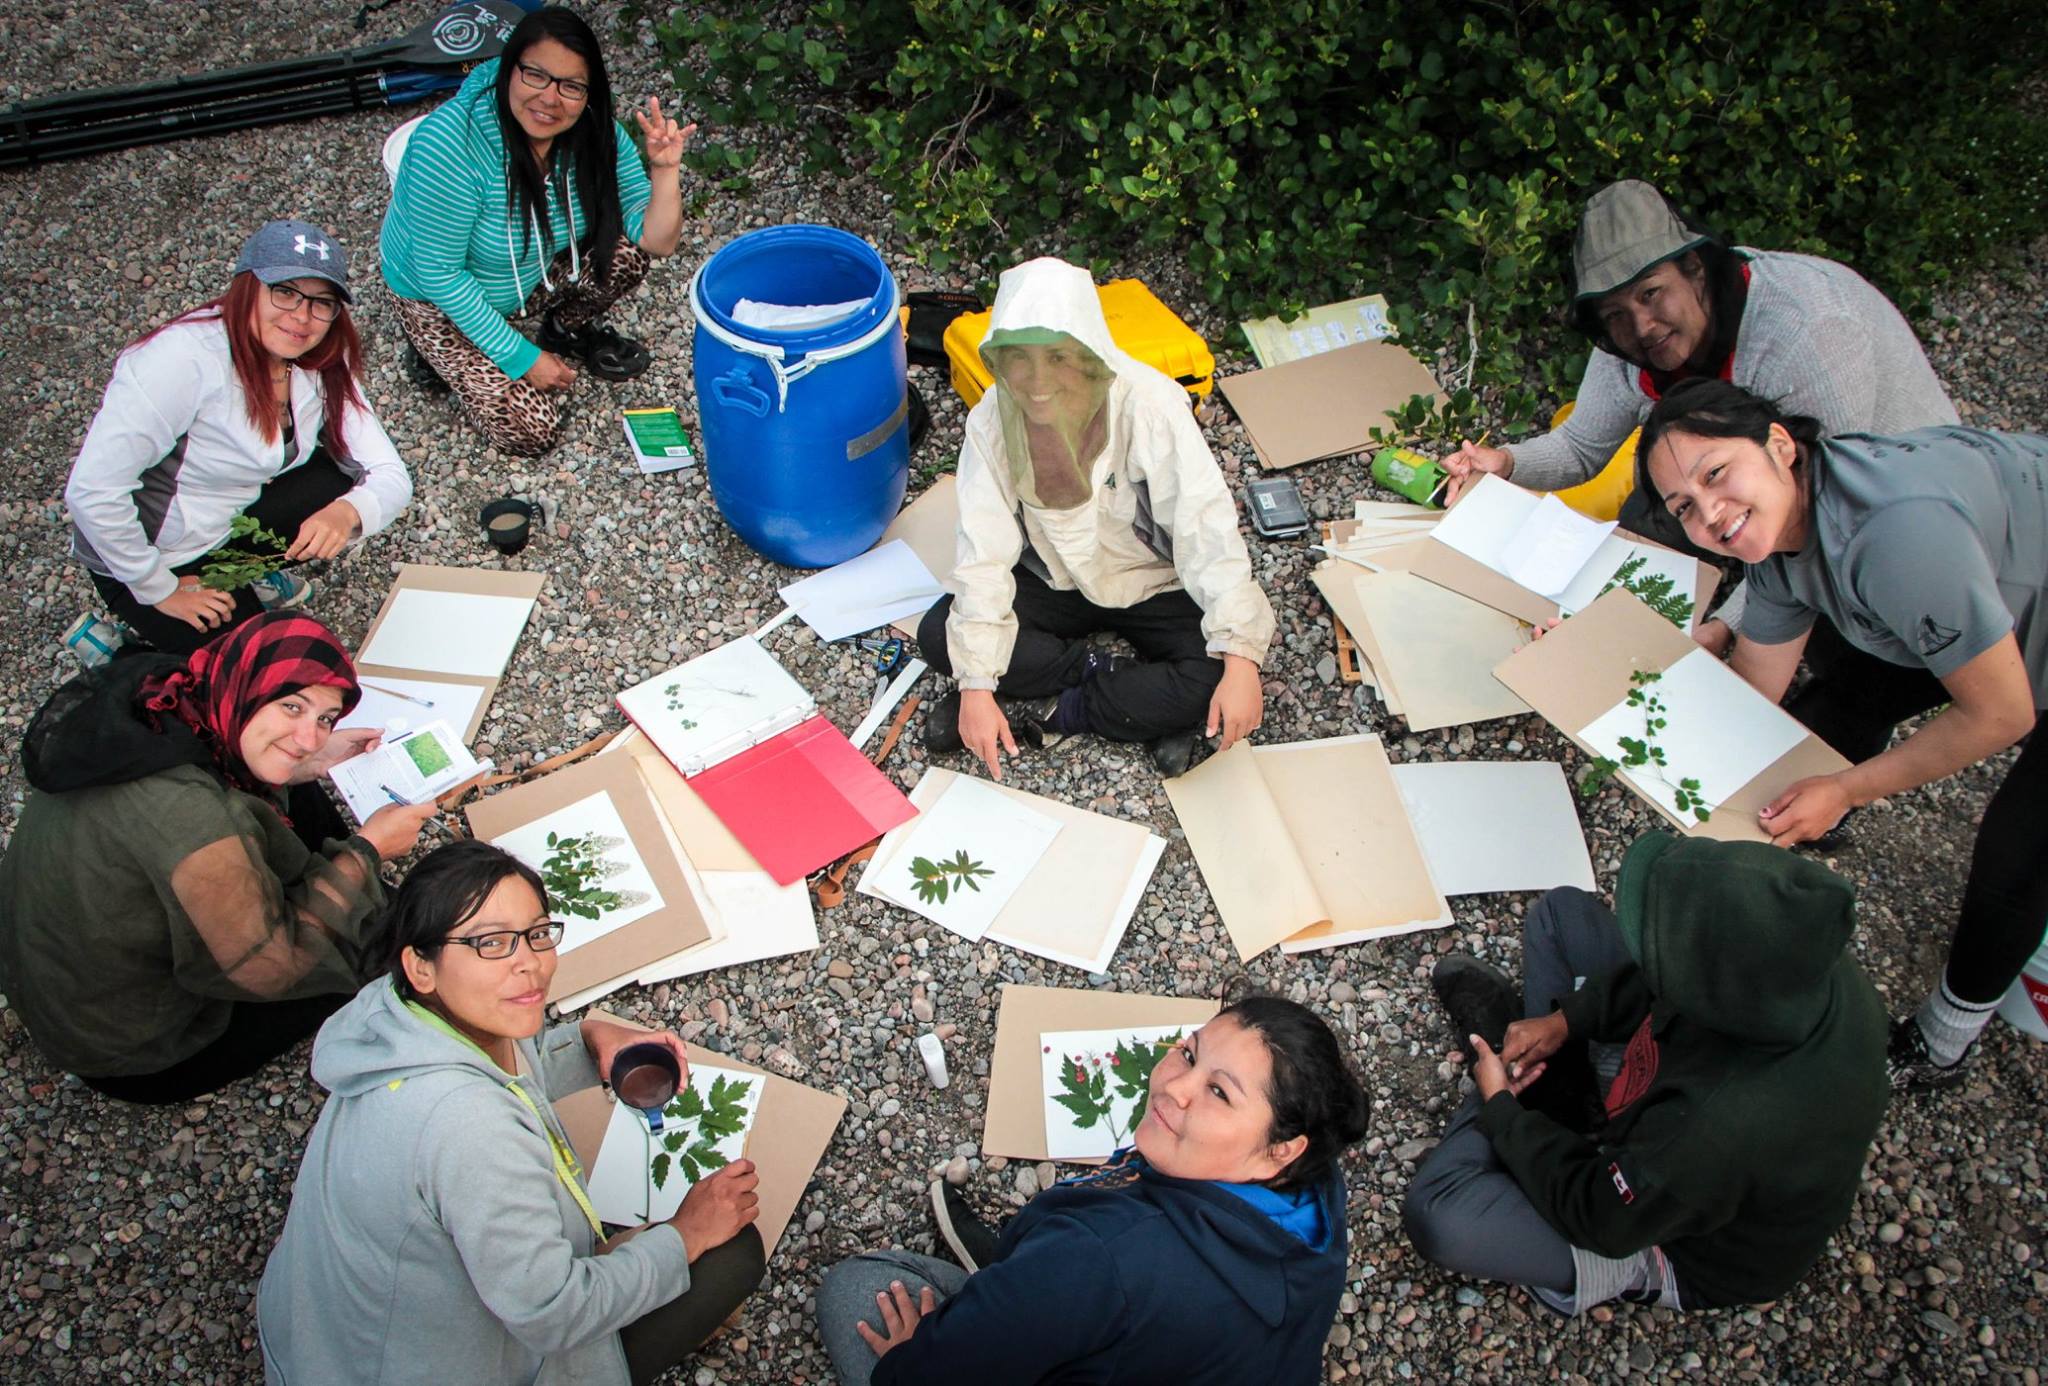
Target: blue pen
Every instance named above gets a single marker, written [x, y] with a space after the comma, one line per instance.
[397, 798]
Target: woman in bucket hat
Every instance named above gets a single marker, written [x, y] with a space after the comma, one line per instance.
[248, 406]
[1664, 299]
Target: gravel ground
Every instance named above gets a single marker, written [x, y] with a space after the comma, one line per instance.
[134, 1237]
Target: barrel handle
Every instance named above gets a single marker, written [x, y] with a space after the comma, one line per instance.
[737, 389]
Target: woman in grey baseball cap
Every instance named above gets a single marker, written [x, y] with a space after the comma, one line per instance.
[1665, 299]
[246, 408]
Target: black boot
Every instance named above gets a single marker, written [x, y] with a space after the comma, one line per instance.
[1174, 755]
[1480, 999]
[422, 373]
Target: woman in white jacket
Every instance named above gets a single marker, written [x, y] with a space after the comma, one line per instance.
[246, 406]
[1089, 501]
[440, 1230]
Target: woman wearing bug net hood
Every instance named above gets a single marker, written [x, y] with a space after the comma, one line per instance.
[1089, 501]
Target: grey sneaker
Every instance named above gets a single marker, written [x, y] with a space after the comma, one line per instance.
[281, 591]
[1911, 1068]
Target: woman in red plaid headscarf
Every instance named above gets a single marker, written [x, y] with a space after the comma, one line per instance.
[181, 902]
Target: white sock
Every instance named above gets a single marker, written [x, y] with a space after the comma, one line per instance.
[1950, 1025]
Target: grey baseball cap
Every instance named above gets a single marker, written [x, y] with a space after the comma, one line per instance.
[1627, 230]
[282, 250]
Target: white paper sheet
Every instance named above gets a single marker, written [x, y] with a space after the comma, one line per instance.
[453, 703]
[863, 593]
[448, 633]
[1552, 546]
[1096, 1085]
[1607, 560]
[622, 1178]
[761, 920]
[596, 880]
[1718, 730]
[1491, 826]
[416, 766]
[1484, 521]
[965, 856]
[711, 708]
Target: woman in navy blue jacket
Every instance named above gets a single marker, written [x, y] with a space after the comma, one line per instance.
[1211, 1251]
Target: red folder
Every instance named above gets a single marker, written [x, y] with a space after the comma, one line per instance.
[802, 799]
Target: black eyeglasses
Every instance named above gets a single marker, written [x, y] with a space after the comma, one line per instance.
[287, 299]
[540, 79]
[500, 944]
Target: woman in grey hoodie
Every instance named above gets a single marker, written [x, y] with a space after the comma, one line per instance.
[439, 1229]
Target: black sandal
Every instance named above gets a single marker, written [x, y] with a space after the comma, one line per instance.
[605, 353]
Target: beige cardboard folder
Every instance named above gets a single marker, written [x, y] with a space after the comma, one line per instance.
[1306, 844]
[931, 526]
[1325, 405]
[1079, 898]
[479, 582]
[791, 1132]
[1579, 671]
[1016, 1084]
[1435, 650]
[678, 924]
[1445, 566]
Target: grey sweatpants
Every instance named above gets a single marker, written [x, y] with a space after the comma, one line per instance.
[1465, 1211]
[847, 1297]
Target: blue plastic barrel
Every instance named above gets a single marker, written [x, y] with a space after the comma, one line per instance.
[806, 432]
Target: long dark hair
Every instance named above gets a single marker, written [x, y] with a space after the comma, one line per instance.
[1313, 1091]
[443, 893]
[592, 144]
[1716, 409]
[1727, 290]
[337, 360]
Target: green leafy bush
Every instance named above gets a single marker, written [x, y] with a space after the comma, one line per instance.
[1295, 151]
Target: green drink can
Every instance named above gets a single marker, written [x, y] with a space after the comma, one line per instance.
[1408, 473]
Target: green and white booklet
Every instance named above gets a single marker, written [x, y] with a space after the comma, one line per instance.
[658, 441]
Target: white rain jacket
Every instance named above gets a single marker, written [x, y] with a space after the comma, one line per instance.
[171, 458]
[1155, 516]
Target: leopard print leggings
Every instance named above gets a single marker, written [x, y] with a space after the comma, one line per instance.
[516, 417]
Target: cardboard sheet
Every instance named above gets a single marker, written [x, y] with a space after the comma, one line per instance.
[1306, 845]
[1325, 405]
[381, 652]
[1493, 826]
[1581, 670]
[620, 953]
[931, 526]
[1015, 1126]
[1078, 900]
[1435, 650]
[792, 1129]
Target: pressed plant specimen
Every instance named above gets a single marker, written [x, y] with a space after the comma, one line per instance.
[933, 879]
[1657, 591]
[674, 693]
[701, 1121]
[1111, 1089]
[574, 869]
[1644, 752]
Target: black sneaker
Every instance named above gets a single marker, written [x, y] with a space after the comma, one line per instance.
[972, 1241]
[1027, 718]
[422, 373]
[1835, 839]
[1479, 997]
[1175, 755]
[942, 726]
[1911, 1067]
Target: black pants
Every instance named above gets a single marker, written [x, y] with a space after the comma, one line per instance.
[258, 1031]
[1166, 690]
[281, 507]
[1852, 702]
[720, 1281]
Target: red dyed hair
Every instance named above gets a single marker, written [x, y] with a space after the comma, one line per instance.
[338, 359]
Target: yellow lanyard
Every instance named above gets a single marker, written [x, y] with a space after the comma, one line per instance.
[566, 1168]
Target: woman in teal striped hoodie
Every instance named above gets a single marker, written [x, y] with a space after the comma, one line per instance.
[522, 197]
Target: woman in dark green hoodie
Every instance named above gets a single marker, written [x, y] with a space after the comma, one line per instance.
[523, 198]
[1744, 1053]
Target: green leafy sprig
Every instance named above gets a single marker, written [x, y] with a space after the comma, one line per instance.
[572, 870]
[1657, 591]
[1644, 752]
[932, 879]
[691, 1147]
[674, 692]
[235, 565]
